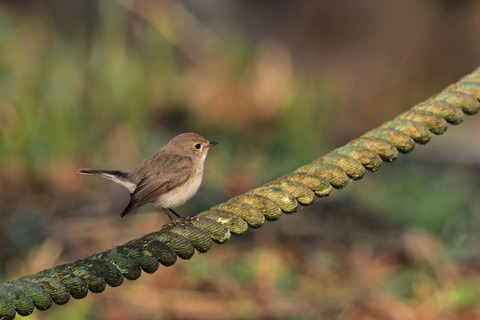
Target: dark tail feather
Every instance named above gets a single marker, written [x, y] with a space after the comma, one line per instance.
[116, 173]
[120, 177]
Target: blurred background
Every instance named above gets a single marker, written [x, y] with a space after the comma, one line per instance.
[103, 84]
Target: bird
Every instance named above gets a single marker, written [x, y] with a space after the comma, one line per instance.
[167, 179]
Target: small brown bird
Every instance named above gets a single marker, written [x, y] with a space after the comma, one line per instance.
[168, 178]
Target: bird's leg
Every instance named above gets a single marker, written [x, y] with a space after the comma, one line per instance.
[176, 214]
[189, 218]
[169, 214]
[175, 217]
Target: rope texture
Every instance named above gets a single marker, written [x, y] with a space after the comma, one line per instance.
[283, 195]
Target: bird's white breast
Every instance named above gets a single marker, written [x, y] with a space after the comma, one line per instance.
[180, 195]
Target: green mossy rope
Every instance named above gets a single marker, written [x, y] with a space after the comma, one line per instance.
[268, 202]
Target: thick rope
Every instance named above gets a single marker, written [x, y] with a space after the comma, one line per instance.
[317, 179]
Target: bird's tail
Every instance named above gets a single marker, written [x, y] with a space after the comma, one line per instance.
[119, 177]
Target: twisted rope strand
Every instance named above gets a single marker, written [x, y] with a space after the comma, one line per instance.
[334, 170]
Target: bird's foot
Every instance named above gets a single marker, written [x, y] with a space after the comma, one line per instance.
[182, 222]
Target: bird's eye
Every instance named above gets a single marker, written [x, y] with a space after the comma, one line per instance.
[198, 146]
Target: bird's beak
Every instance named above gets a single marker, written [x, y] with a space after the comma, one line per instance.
[211, 144]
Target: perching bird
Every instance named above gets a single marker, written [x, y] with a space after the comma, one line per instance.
[168, 178]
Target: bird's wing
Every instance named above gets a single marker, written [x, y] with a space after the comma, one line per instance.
[160, 180]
